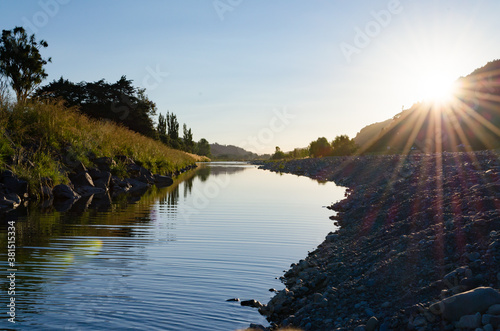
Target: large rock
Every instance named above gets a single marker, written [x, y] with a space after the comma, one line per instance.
[163, 181]
[251, 303]
[137, 185]
[469, 321]
[101, 179]
[14, 184]
[82, 179]
[104, 163]
[468, 303]
[9, 202]
[89, 190]
[64, 192]
[140, 173]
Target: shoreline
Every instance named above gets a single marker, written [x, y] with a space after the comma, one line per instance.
[416, 233]
[84, 184]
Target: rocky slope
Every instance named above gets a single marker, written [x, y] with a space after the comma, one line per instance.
[83, 183]
[418, 246]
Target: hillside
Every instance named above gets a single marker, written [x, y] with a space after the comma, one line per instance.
[47, 142]
[369, 132]
[471, 121]
[230, 152]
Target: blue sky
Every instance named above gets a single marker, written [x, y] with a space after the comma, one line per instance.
[259, 73]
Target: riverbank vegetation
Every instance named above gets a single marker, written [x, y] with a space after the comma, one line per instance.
[341, 146]
[49, 131]
[46, 140]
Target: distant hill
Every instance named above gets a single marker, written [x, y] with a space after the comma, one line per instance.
[230, 152]
[370, 132]
[470, 122]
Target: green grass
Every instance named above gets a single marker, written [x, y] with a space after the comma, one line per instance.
[45, 139]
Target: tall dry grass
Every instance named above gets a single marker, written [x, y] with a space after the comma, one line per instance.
[43, 140]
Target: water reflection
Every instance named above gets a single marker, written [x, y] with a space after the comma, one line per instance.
[167, 258]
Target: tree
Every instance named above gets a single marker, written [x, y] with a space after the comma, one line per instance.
[161, 128]
[187, 139]
[21, 62]
[173, 131]
[203, 148]
[278, 154]
[120, 102]
[342, 145]
[320, 148]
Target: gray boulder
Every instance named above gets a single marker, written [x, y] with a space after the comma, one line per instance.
[471, 302]
[82, 179]
[9, 202]
[140, 173]
[469, 321]
[137, 184]
[89, 190]
[64, 192]
[251, 303]
[14, 184]
[102, 179]
[163, 181]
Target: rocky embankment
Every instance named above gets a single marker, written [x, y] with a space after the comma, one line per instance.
[418, 246]
[83, 183]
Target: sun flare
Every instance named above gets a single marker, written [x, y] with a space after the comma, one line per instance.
[436, 87]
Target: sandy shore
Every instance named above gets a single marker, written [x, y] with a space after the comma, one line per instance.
[419, 236]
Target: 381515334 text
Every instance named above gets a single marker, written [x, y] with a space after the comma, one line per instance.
[11, 271]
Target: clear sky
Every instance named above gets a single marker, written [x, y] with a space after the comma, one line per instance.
[260, 73]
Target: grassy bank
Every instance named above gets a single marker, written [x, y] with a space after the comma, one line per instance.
[47, 140]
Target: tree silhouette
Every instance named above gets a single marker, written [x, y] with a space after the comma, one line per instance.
[320, 147]
[173, 131]
[342, 146]
[120, 102]
[21, 62]
[187, 139]
[203, 147]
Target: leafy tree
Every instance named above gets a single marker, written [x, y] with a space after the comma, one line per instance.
[21, 62]
[173, 131]
[188, 142]
[342, 145]
[298, 153]
[320, 148]
[120, 102]
[161, 128]
[278, 154]
[203, 148]
[4, 92]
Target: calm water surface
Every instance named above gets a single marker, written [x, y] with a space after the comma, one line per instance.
[170, 259]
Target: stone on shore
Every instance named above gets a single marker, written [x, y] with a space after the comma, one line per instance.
[474, 301]
[163, 181]
[252, 303]
[64, 192]
[13, 184]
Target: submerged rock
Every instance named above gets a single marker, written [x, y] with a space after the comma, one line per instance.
[252, 303]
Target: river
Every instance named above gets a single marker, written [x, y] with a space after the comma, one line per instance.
[169, 259]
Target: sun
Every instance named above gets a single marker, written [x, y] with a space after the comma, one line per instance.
[436, 87]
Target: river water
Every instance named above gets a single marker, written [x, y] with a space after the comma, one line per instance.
[167, 260]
